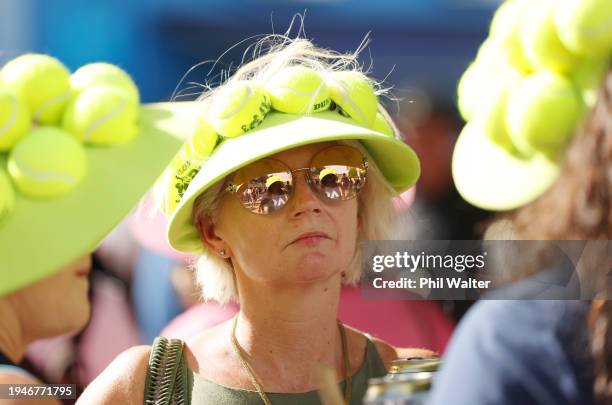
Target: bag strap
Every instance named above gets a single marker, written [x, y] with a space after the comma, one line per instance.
[167, 374]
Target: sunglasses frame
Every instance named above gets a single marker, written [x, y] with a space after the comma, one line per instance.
[233, 188]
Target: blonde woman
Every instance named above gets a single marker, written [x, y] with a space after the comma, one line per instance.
[278, 231]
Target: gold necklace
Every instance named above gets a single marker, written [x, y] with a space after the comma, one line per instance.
[347, 365]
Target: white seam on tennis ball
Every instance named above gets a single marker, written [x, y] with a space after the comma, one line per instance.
[102, 120]
[45, 176]
[62, 97]
[346, 99]
[245, 99]
[11, 121]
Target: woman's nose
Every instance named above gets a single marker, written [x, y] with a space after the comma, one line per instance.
[304, 199]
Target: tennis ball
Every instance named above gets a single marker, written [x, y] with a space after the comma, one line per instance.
[202, 142]
[382, 125]
[468, 90]
[238, 108]
[47, 162]
[585, 26]
[14, 119]
[174, 182]
[491, 111]
[587, 76]
[102, 115]
[540, 40]
[353, 93]
[542, 112]
[504, 31]
[103, 73]
[298, 90]
[7, 195]
[43, 83]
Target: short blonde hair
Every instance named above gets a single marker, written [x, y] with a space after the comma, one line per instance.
[376, 212]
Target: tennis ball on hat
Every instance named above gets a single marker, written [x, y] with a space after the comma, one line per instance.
[202, 142]
[238, 108]
[504, 31]
[587, 77]
[491, 110]
[540, 40]
[43, 83]
[542, 112]
[354, 94]
[7, 195]
[298, 90]
[468, 91]
[103, 73]
[174, 182]
[14, 119]
[47, 162]
[382, 125]
[102, 115]
[585, 26]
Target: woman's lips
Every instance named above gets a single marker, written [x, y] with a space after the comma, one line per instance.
[310, 238]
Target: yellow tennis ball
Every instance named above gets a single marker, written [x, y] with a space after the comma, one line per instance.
[587, 76]
[354, 94]
[7, 195]
[481, 83]
[540, 40]
[103, 73]
[47, 162]
[585, 26]
[542, 112]
[491, 111]
[102, 115]
[202, 142]
[298, 90]
[14, 119]
[43, 83]
[504, 31]
[238, 108]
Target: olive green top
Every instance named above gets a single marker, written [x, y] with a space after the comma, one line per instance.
[204, 391]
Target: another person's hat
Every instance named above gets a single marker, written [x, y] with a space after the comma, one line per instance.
[62, 193]
[532, 83]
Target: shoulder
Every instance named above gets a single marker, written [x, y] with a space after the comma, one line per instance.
[122, 381]
[388, 353]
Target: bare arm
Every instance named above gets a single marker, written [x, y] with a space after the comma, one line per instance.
[122, 382]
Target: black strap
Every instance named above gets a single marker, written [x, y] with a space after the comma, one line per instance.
[167, 374]
[5, 360]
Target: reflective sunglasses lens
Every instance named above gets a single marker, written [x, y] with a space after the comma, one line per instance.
[338, 172]
[263, 187]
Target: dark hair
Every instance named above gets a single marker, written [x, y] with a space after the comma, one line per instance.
[579, 206]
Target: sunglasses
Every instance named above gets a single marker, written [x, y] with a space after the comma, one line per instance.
[336, 173]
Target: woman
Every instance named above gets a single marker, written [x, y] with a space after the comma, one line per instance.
[285, 262]
[45, 243]
[549, 347]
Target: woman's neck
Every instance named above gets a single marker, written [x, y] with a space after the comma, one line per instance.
[287, 333]
[12, 342]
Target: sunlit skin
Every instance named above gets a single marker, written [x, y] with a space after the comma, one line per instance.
[55, 305]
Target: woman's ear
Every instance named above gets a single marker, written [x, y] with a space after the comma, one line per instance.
[209, 237]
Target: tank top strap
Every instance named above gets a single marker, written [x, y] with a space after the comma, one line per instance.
[375, 363]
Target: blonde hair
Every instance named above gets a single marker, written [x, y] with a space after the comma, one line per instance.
[376, 212]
